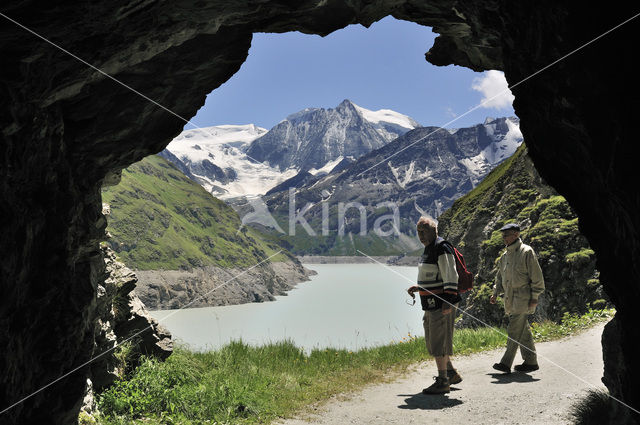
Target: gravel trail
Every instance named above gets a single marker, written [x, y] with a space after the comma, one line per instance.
[485, 396]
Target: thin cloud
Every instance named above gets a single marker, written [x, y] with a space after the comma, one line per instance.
[450, 112]
[495, 90]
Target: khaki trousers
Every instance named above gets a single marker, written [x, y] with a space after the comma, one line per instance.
[438, 332]
[519, 334]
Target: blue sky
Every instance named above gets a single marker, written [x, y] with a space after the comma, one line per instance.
[378, 67]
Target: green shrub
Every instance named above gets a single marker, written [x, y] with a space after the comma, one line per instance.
[593, 283]
[580, 257]
[481, 308]
[86, 419]
[495, 243]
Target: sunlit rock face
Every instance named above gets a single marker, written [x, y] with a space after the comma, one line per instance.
[65, 126]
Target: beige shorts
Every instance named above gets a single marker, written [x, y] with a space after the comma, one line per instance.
[438, 332]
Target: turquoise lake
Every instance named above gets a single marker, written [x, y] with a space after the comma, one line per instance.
[347, 306]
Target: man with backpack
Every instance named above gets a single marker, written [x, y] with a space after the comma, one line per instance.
[438, 290]
[519, 277]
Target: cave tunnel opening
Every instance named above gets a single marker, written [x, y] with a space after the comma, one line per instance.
[59, 165]
[290, 82]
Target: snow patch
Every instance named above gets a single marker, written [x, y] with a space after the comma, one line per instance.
[402, 180]
[427, 173]
[513, 139]
[490, 129]
[476, 165]
[300, 114]
[506, 145]
[326, 168]
[502, 148]
[387, 116]
[253, 178]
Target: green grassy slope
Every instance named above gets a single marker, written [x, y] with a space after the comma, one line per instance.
[515, 192]
[162, 220]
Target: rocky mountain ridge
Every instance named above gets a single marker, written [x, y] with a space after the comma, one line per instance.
[420, 173]
[311, 138]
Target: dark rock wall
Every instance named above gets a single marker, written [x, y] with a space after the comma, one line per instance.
[65, 126]
[122, 318]
[577, 121]
[123, 330]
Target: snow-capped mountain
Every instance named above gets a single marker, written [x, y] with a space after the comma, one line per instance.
[499, 140]
[316, 139]
[215, 158]
[421, 173]
[245, 160]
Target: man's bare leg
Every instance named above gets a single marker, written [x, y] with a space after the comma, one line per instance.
[441, 363]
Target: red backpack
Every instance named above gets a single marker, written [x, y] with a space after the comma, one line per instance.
[465, 277]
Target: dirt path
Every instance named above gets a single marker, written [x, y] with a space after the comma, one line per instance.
[483, 397]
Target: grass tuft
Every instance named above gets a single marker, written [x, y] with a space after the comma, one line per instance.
[593, 409]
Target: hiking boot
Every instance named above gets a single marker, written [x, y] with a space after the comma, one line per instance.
[454, 376]
[441, 386]
[502, 367]
[526, 367]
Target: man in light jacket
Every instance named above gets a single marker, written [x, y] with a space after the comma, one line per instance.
[520, 278]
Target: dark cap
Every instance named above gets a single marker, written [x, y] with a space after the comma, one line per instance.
[510, 226]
